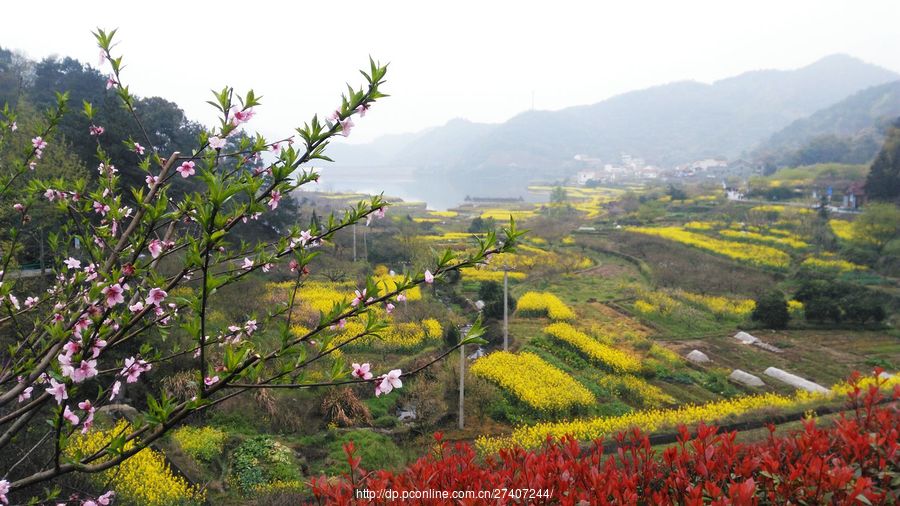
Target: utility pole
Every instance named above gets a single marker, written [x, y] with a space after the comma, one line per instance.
[505, 308]
[354, 242]
[366, 244]
[462, 385]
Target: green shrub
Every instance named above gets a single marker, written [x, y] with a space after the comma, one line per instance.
[381, 406]
[719, 384]
[261, 461]
[491, 293]
[386, 422]
[772, 310]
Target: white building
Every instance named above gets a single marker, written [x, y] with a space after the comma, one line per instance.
[585, 175]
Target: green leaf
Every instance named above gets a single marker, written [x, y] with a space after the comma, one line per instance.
[475, 334]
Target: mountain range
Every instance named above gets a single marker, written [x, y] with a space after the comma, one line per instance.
[850, 131]
[754, 113]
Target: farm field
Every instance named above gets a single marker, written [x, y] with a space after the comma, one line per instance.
[600, 328]
[648, 288]
[601, 323]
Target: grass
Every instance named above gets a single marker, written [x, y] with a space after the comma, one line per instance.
[377, 451]
[600, 282]
[599, 297]
[684, 323]
[822, 356]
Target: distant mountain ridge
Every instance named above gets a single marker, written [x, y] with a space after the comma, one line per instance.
[666, 124]
[855, 125]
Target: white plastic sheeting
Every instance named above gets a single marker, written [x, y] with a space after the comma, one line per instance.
[795, 381]
[745, 338]
[697, 357]
[745, 378]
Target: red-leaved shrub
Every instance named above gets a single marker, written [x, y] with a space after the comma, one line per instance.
[852, 461]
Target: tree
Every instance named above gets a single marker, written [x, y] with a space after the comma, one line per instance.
[558, 195]
[150, 269]
[491, 293]
[883, 181]
[839, 301]
[877, 225]
[480, 225]
[771, 310]
[863, 309]
[451, 335]
[676, 193]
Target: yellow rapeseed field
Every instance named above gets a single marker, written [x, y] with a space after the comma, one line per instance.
[791, 242]
[145, 478]
[634, 388]
[544, 303]
[611, 358]
[720, 306]
[473, 274]
[533, 381]
[387, 283]
[650, 420]
[843, 229]
[750, 253]
[831, 264]
[503, 215]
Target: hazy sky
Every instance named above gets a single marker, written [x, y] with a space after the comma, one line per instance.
[479, 60]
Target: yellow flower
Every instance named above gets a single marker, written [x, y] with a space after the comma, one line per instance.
[787, 241]
[503, 215]
[644, 307]
[533, 381]
[202, 443]
[651, 420]
[720, 306]
[473, 274]
[432, 328]
[387, 283]
[634, 388]
[145, 478]
[544, 303]
[751, 253]
[700, 225]
[824, 264]
[608, 356]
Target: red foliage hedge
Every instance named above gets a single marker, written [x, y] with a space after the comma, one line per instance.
[854, 461]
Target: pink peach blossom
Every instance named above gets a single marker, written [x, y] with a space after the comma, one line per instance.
[69, 416]
[362, 371]
[114, 294]
[216, 142]
[274, 199]
[346, 126]
[155, 248]
[156, 296]
[186, 169]
[57, 390]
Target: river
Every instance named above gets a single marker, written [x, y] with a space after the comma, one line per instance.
[438, 191]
